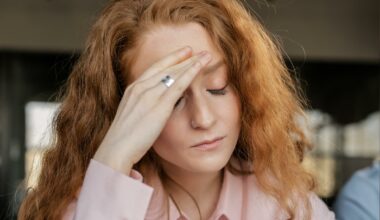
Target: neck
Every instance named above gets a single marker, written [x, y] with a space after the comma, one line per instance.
[203, 187]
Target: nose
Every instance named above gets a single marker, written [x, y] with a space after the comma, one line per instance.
[201, 113]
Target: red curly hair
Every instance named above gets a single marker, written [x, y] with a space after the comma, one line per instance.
[270, 141]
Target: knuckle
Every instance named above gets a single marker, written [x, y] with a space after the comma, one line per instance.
[129, 88]
[146, 99]
[157, 66]
[138, 88]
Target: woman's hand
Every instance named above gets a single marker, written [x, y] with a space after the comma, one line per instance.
[145, 107]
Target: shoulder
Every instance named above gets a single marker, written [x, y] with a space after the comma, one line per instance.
[257, 203]
[365, 179]
[359, 196]
[262, 205]
[363, 185]
[107, 193]
[319, 208]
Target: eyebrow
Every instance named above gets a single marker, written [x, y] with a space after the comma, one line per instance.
[214, 67]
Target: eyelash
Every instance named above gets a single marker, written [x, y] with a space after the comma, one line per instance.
[221, 91]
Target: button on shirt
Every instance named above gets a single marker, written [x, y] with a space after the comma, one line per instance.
[108, 194]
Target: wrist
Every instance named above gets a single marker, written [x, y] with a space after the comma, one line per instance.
[124, 166]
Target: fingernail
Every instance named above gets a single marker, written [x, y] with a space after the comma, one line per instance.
[185, 50]
[206, 57]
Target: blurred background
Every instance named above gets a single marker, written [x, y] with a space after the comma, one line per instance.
[333, 48]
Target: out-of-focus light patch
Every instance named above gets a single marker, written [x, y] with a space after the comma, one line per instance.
[323, 132]
[33, 159]
[318, 118]
[323, 169]
[38, 119]
[331, 141]
[359, 139]
[363, 138]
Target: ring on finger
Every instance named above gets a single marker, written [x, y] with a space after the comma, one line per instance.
[167, 81]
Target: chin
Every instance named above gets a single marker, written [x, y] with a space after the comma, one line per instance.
[197, 161]
[204, 164]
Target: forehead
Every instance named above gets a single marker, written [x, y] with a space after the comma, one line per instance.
[163, 40]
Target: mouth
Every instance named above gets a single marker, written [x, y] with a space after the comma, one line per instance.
[208, 144]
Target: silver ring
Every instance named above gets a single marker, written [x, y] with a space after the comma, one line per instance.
[167, 81]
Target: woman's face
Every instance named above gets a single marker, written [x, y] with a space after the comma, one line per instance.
[202, 114]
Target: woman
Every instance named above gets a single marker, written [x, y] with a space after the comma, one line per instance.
[177, 109]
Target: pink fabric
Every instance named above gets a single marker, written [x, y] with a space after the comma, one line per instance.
[108, 194]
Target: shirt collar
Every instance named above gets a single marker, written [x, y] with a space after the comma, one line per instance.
[230, 203]
[231, 197]
[173, 212]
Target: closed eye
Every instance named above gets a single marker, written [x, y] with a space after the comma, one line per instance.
[221, 91]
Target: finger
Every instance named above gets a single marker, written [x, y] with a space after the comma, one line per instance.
[171, 94]
[185, 64]
[169, 60]
[153, 87]
[161, 99]
[172, 71]
[139, 90]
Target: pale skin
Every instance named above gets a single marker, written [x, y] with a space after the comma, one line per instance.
[172, 120]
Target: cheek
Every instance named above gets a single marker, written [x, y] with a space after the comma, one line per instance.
[230, 110]
[166, 139]
[236, 110]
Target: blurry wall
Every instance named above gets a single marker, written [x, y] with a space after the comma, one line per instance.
[323, 29]
[46, 25]
[347, 30]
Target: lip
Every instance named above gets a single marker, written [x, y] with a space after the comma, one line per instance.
[208, 144]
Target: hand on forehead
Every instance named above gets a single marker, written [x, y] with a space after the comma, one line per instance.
[161, 41]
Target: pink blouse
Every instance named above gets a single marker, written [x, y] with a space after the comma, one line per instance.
[108, 194]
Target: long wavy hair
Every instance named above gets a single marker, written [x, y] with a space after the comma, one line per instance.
[271, 141]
